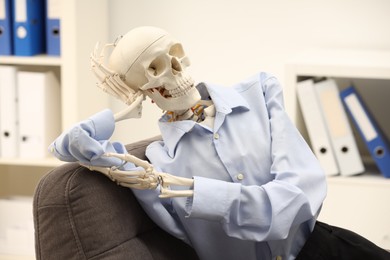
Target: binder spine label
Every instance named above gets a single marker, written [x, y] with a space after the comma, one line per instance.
[2, 9]
[54, 9]
[21, 10]
[360, 116]
[331, 111]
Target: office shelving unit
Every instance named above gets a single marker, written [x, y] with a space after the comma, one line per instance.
[360, 203]
[80, 98]
[83, 23]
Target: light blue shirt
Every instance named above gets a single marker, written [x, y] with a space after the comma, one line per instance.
[258, 188]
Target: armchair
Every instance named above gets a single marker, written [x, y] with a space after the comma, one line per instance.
[79, 214]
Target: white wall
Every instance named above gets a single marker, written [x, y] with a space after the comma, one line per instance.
[230, 40]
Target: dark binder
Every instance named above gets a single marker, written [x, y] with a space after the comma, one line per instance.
[375, 141]
[6, 38]
[29, 27]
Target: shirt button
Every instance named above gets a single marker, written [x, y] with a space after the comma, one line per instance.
[278, 257]
[240, 176]
[216, 136]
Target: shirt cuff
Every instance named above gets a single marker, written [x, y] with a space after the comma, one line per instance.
[212, 198]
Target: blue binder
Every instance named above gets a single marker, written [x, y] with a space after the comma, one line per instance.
[6, 41]
[53, 30]
[375, 141]
[29, 27]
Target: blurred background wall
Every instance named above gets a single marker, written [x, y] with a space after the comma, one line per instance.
[228, 40]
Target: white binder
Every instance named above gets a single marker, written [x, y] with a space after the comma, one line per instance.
[8, 114]
[316, 127]
[17, 226]
[39, 112]
[342, 139]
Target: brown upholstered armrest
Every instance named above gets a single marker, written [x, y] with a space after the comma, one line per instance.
[79, 214]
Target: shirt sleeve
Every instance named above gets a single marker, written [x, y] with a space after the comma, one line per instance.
[87, 141]
[267, 212]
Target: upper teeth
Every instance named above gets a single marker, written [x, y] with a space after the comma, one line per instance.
[184, 86]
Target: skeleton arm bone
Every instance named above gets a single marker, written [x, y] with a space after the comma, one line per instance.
[137, 179]
[164, 179]
[167, 179]
[132, 111]
[147, 179]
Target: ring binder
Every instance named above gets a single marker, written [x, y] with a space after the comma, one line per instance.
[28, 27]
[375, 141]
[8, 112]
[6, 20]
[316, 127]
[342, 139]
[39, 112]
[53, 28]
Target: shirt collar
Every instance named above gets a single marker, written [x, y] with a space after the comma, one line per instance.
[225, 100]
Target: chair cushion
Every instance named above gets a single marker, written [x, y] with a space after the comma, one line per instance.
[80, 214]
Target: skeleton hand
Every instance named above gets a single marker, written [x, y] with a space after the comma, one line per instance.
[109, 80]
[148, 178]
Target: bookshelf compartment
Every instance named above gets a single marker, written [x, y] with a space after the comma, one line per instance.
[359, 203]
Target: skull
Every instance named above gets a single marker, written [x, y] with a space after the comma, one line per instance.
[150, 60]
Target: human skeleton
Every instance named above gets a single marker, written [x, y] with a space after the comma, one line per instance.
[147, 61]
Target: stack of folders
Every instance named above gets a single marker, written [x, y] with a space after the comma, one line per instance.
[328, 127]
[30, 112]
[16, 227]
[29, 27]
[375, 140]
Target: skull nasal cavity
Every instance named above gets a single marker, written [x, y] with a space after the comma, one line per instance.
[176, 67]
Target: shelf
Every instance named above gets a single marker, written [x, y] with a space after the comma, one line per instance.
[16, 257]
[344, 57]
[38, 60]
[368, 179]
[47, 162]
[342, 62]
[371, 176]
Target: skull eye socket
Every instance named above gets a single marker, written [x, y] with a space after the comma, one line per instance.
[157, 66]
[177, 50]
